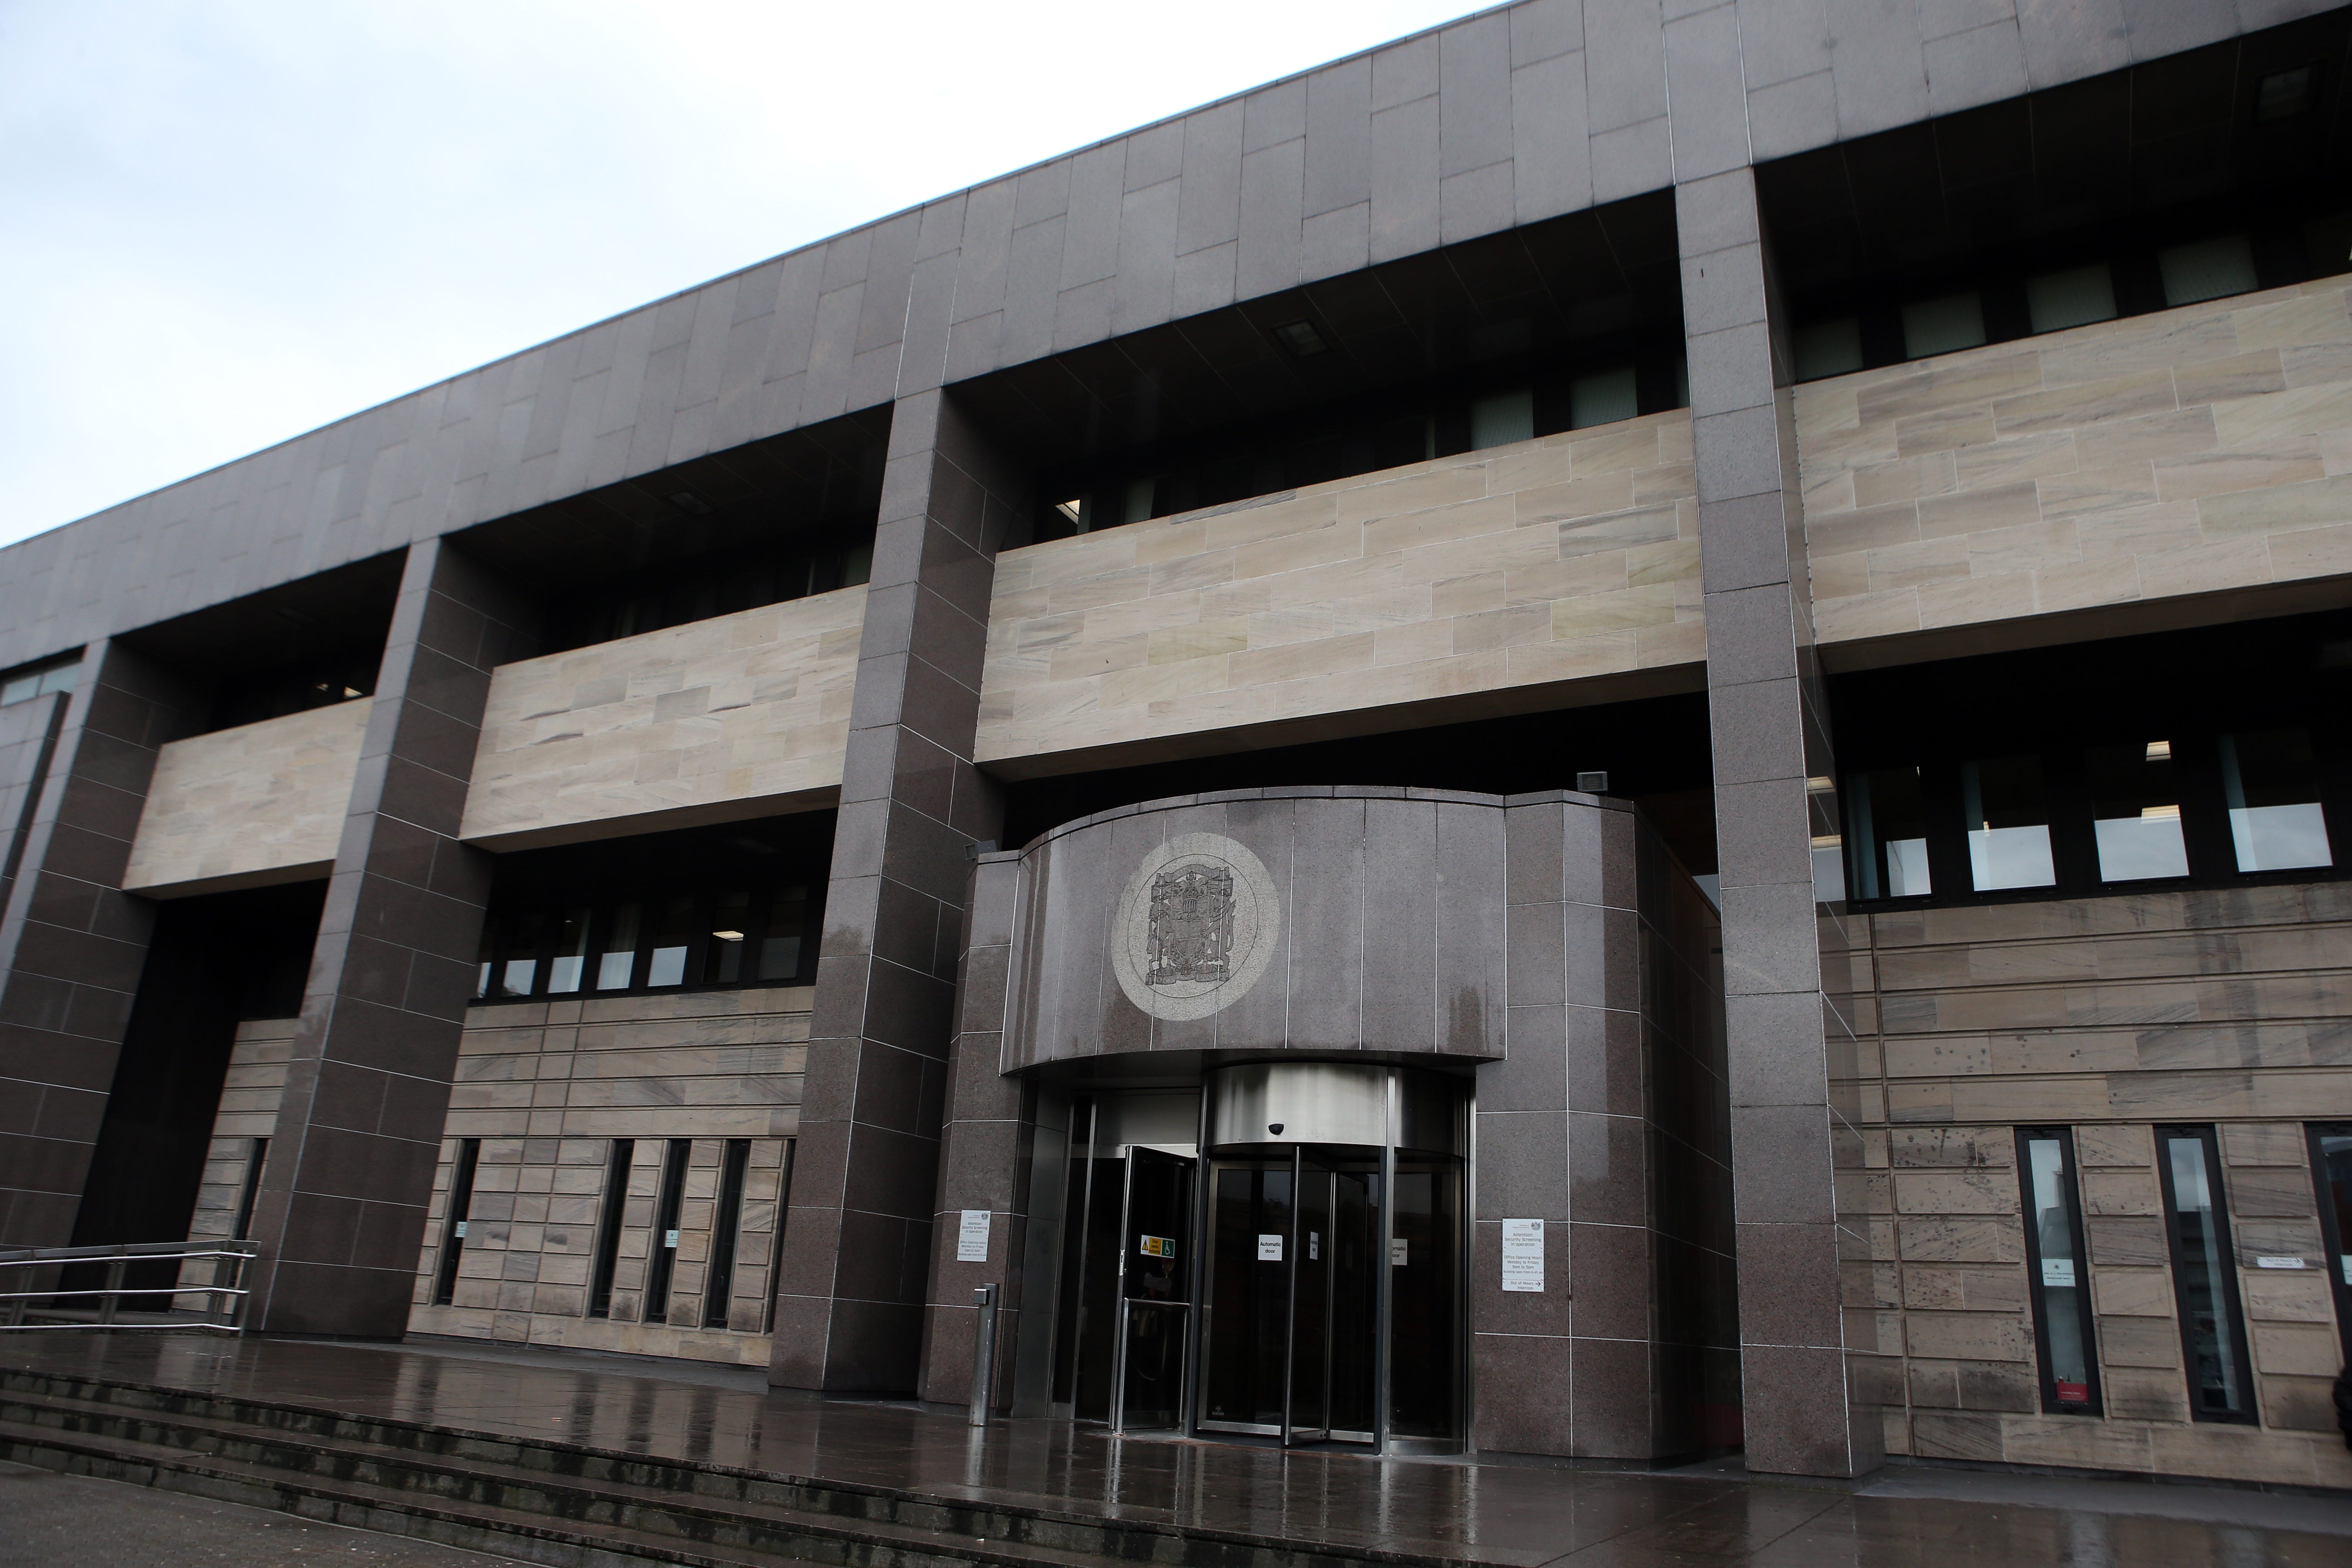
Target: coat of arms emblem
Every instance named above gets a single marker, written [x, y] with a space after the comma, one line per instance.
[1192, 928]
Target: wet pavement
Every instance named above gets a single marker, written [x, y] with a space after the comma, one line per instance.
[1517, 1514]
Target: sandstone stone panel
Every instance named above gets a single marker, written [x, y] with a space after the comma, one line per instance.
[1522, 567]
[2200, 450]
[737, 716]
[250, 806]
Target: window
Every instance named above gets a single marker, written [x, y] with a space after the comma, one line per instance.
[2135, 812]
[2331, 1167]
[609, 1216]
[727, 1227]
[1943, 325]
[2009, 825]
[1502, 418]
[2204, 1275]
[700, 939]
[39, 679]
[2057, 1272]
[1602, 398]
[664, 1262]
[249, 1192]
[2057, 300]
[1829, 348]
[2272, 783]
[2208, 269]
[453, 1223]
[1889, 834]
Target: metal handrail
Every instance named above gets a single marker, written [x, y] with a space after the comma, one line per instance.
[224, 1297]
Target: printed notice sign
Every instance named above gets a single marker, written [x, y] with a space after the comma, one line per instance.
[1397, 1250]
[1523, 1268]
[972, 1236]
[1157, 1247]
[2278, 1262]
[2058, 1272]
[1269, 1250]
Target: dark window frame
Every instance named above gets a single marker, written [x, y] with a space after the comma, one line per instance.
[2036, 1286]
[453, 1220]
[2331, 1235]
[2209, 1135]
[612, 1217]
[725, 1232]
[497, 950]
[661, 1257]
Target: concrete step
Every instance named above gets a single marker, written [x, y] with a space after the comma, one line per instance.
[558, 1497]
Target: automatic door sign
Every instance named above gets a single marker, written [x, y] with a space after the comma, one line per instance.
[1397, 1251]
[1523, 1268]
[1269, 1250]
[1158, 1246]
[972, 1236]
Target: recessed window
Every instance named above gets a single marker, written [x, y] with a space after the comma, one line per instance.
[2204, 1275]
[39, 679]
[2208, 269]
[2057, 1272]
[703, 939]
[1502, 418]
[2283, 94]
[2076, 297]
[1943, 325]
[616, 962]
[1829, 348]
[2331, 1165]
[568, 963]
[1602, 397]
[2135, 812]
[2008, 824]
[1074, 513]
[2272, 783]
[1887, 819]
[521, 972]
[1141, 500]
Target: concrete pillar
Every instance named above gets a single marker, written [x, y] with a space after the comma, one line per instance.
[340, 1213]
[850, 1293]
[71, 942]
[1782, 956]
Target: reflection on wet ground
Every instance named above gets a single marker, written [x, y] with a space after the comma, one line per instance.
[1498, 1512]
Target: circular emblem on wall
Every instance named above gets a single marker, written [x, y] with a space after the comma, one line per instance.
[1196, 927]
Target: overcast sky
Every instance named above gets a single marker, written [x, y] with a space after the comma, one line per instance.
[230, 221]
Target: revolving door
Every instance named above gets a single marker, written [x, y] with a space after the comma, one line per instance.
[1257, 1283]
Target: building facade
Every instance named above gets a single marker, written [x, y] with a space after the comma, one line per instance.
[1615, 734]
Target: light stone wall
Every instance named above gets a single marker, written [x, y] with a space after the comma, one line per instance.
[547, 1085]
[250, 806]
[2191, 451]
[737, 716]
[2110, 1016]
[250, 1093]
[1510, 570]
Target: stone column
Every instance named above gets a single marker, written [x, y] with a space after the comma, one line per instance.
[72, 944]
[1782, 956]
[850, 1293]
[341, 1213]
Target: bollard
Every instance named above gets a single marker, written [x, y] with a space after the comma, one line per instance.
[983, 1354]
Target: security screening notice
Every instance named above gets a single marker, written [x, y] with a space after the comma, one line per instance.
[1523, 1268]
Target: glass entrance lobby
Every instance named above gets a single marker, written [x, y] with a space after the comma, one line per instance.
[1248, 1257]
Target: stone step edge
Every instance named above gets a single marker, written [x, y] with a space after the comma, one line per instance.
[914, 1541]
[480, 1528]
[1305, 1554]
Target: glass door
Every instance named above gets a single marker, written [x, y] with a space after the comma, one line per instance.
[1154, 1298]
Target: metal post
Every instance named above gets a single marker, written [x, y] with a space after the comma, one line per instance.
[983, 1354]
[113, 1290]
[1119, 1367]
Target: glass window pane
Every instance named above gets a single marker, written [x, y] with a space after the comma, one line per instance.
[521, 967]
[2061, 1291]
[672, 939]
[2009, 825]
[2208, 269]
[568, 962]
[722, 963]
[485, 956]
[1888, 828]
[2204, 1273]
[2074, 299]
[780, 944]
[619, 955]
[1602, 398]
[2331, 1160]
[2136, 813]
[2273, 785]
[1941, 326]
[1829, 348]
[1502, 418]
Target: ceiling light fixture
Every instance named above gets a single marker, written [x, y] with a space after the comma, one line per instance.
[1301, 339]
[691, 504]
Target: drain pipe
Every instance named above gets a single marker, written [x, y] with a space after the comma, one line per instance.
[983, 1354]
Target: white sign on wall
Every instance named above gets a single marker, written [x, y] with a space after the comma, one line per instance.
[1523, 1265]
[972, 1236]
